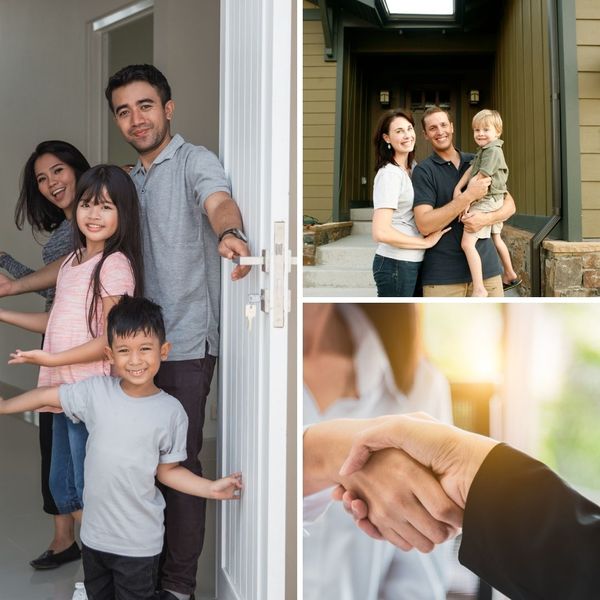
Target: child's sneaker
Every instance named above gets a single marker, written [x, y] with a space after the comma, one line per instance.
[79, 593]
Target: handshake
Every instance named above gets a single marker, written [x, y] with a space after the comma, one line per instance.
[410, 479]
[404, 478]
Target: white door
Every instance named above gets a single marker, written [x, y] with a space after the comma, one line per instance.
[255, 149]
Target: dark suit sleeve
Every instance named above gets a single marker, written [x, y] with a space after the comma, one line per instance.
[528, 534]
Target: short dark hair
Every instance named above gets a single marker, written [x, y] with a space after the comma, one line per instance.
[432, 110]
[32, 205]
[135, 315]
[148, 73]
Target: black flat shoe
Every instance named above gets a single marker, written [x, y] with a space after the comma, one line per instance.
[53, 560]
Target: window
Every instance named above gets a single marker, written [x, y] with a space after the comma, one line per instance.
[419, 7]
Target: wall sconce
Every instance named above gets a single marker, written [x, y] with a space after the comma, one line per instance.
[384, 97]
[474, 97]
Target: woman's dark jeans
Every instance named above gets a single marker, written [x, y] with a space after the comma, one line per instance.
[396, 277]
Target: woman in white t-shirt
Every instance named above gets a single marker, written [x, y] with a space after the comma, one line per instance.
[401, 247]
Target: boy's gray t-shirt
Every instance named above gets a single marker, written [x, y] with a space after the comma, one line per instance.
[128, 438]
[182, 266]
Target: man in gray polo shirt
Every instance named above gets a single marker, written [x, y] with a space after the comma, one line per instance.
[189, 220]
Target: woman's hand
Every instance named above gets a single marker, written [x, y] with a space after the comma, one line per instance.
[31, 357]
[6, 285]
[433, 238]
[454, 455]
[406, 504]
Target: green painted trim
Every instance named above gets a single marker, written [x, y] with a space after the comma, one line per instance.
[339, 99]
[328, 25]
[311, 14]
[530, 223]
[569, 127]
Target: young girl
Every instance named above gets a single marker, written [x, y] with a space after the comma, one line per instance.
[105, 264]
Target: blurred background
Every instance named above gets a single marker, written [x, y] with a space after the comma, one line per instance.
[530, 373]
[527, 374]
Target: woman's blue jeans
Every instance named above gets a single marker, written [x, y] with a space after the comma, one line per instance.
[66, 466]
[396, 277]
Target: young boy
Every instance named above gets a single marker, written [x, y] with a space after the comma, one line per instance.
[488, 162]
[136, 432]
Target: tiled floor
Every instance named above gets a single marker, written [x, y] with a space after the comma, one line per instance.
[24, 529]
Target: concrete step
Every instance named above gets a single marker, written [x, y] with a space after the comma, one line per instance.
[361, 214]
[331, 292]
[321, 276]
[361, 228]
[353, 251]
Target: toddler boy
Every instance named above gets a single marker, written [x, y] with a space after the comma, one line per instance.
[488, 162]
[136, 432]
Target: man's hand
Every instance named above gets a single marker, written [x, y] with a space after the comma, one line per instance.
[229, 248]
[452, 454]
[31, 357]
[478, 187]
[223, 214]
[474, 221]
[406, 503]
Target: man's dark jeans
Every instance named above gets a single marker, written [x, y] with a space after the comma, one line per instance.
[189, 382]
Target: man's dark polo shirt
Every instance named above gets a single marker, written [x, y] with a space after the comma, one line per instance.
[434, 181]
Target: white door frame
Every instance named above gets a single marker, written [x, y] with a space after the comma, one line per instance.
[255, 150]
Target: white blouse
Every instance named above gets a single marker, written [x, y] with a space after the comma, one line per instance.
[393, 189]
[339, 560]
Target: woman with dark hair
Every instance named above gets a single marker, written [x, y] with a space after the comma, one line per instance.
[48, 184]
[401, 247]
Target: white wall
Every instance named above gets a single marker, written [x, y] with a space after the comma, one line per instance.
[43, 49]
[192, 67]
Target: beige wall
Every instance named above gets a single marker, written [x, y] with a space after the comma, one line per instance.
[130, 43]
[43, 47]
[319, 82]
[588, 60]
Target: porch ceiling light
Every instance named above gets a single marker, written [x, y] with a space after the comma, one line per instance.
[419, 7]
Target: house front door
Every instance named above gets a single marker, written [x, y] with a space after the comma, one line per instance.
[255, 149]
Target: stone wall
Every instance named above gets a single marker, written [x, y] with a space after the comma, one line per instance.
[571, 269]
[318, 235]
[518, 242]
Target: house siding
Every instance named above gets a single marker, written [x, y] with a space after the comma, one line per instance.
[588, 67]
[319, 107]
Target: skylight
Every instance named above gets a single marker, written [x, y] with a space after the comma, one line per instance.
[419, 7]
